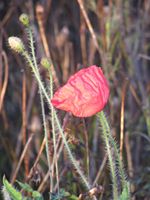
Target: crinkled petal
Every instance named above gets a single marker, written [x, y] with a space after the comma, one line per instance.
[85, 93]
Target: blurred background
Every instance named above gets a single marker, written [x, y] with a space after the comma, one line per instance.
[113, 34]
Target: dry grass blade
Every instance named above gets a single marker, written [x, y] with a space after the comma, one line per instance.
[59, 151]
[122, 117]
[1, 66]
[24, 122]
[100, 170]
[89, 25]
[4, 87]
[87, 148]
[36, 160]
[129, 158]
[40, 19]
[21, 158]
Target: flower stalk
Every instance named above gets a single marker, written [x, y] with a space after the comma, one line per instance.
[110, 143]
[105, 135]
[32, 63]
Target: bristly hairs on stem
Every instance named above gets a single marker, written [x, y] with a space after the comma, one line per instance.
[106, 127]
[110, 156]
[116, 152]
[25, 21]
[27, 57]
[45, 62]
[125, 183]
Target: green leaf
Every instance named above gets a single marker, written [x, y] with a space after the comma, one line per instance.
[26, 187]
[14, 194]
[37, 195]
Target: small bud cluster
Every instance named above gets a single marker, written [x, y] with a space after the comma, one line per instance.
[16, 44]
[24, 19]
[45, 63]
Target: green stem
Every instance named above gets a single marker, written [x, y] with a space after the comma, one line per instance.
[74, 162]
[120, 164]
[70, 154]
[35, 66]
[125, 183]
[110, 156]
[121, 169]
[29, 60]
[53, 130]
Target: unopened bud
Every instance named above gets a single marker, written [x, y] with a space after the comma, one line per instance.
[45, 63]
[16, 44]
[24, 19]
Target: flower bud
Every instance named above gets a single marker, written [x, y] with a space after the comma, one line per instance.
[45, 63]
[24, 19]
[16, 44]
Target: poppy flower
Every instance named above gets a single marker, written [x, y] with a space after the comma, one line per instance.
[85, 93]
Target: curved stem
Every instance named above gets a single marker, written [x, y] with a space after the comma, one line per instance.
[74, 162]
[70, 154]
[42, 101]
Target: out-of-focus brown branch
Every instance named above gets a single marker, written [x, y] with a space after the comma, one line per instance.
[87, 147]
[133, 92]
[42, 185]
[36, 160]
[4, 87]
[102, 22]
[100, 170]
[24, 122]
[129, 159]
[21, 158]
[1, 68]
[48, 8]
[83, 41]
[8, 15]
[40, 18]
[89, 25]
[122, 116]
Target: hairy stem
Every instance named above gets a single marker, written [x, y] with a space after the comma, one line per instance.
[53, 130]
[109, 152]
[70, 154]
[42, 101]
[74, 162]
[120, 164]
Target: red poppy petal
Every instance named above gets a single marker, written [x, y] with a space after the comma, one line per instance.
[85, 93]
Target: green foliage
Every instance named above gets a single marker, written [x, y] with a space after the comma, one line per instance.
[26, 187]
[125, 193]
[13, 193]
[63, 194]
[16, 195]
